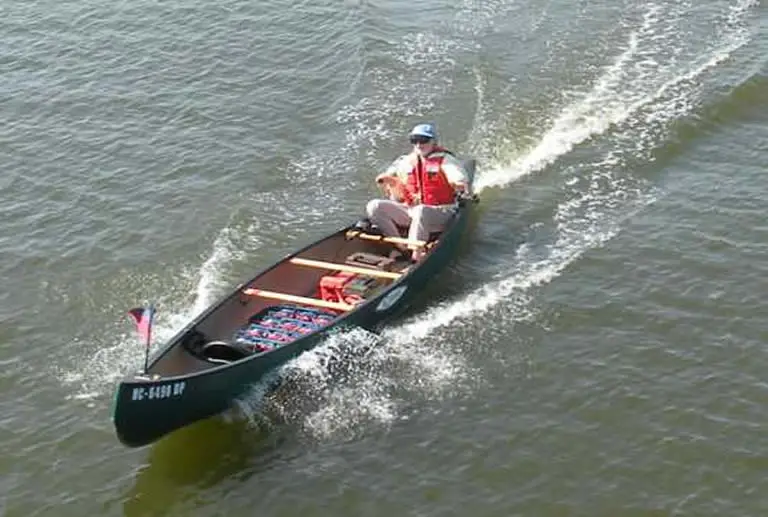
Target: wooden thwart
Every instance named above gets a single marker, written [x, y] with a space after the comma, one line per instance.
[392, 240]
[345, 267]
[339, 306]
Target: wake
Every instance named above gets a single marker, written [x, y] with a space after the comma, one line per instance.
[633, 103]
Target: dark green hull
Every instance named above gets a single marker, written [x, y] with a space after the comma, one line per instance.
[147, 407]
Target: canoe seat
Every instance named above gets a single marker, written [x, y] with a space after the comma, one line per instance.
[222, 352]
[364, 228]
[352, 234]
[303, 300]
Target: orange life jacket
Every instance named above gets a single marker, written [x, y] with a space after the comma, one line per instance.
[427, 181]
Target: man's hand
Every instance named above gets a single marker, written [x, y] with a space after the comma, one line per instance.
[385, 177]
[394, 188]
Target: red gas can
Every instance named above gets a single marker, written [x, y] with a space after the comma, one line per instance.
[332, 286]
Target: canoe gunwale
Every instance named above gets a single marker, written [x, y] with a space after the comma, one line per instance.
[239, 290]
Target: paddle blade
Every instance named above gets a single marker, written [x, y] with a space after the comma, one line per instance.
[143, 317]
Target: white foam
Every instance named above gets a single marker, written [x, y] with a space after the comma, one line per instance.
[208, 287]
[353, 380]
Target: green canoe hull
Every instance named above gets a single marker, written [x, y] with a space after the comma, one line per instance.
[149, 406]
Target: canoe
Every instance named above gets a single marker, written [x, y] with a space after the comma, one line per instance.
[346, 279]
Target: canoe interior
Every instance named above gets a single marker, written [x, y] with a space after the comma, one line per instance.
[183, 356]
[208, 341]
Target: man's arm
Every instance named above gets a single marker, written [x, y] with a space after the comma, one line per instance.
[392, 181]
[397, 170]
[456, 174]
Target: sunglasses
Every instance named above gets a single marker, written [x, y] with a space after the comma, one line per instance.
[420, 139]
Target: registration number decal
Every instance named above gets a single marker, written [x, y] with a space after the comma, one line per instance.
[160, 391]
[391, 298]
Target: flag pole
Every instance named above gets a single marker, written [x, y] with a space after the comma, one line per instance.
[149, 337]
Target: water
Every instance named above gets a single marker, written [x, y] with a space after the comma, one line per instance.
[596, 349]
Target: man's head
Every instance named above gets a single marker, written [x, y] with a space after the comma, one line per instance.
[424, 138]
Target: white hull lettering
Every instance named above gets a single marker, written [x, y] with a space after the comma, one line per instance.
[158, 392]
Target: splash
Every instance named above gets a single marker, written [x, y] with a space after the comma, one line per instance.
[224, 253]
[94, 375]
[356, 379]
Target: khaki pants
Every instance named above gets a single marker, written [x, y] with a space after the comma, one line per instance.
[421, 220]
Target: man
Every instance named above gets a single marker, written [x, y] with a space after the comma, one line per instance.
[422, 187]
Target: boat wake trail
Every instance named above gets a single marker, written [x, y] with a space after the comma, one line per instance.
[627, 114]
[639, 87]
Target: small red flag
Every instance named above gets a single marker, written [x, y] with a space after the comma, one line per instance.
[143, 317]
